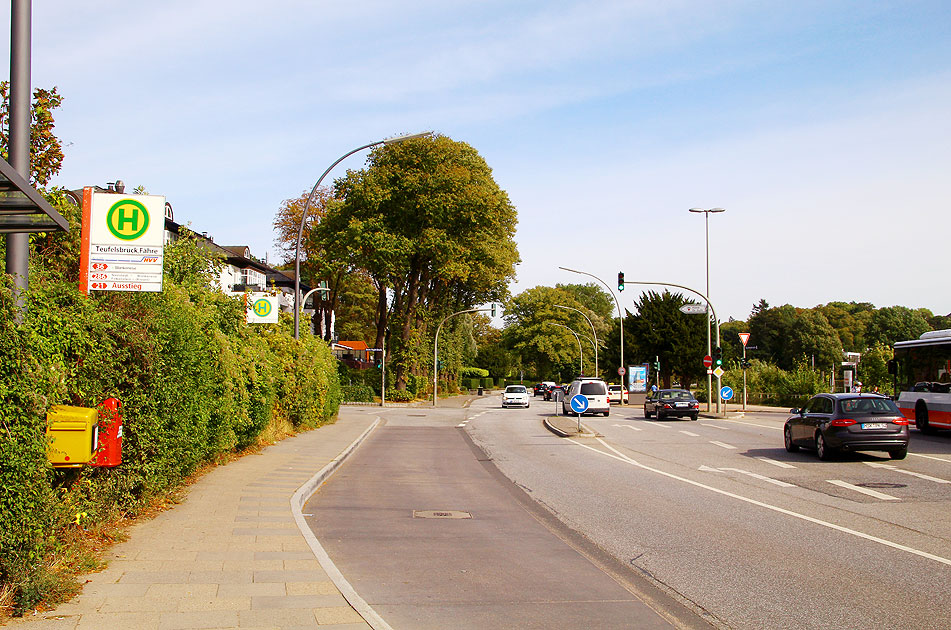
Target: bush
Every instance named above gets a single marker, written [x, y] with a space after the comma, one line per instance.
[488, 383]
[400, 395]
[472, 372]
[194, 379]
[357, 393]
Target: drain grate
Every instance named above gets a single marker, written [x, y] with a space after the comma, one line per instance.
[881, 484]
[445, 514]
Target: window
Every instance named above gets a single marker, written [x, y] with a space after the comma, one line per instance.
[592, 388]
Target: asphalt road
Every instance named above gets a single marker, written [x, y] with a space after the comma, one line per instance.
[718, 514]
[431, 535]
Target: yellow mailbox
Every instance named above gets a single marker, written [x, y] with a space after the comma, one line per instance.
[73, 435]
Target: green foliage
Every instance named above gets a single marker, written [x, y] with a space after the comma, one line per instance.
[400, 395]
[768, 384]
[660, 329]
[357, 393]
[473, 383]
[469, 372]
[195, 381]
[46, 150]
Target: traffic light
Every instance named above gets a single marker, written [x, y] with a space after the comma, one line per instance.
[718, 356]
[620, 281]
[493, 309]
[745, 363]
[656, 365]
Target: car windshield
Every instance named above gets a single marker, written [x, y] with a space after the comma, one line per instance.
[675, 394]
[868, 406]
[515, 389]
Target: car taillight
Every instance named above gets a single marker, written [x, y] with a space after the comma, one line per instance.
[695, 405]
[668, 406]
[902, 421]
[842, 422]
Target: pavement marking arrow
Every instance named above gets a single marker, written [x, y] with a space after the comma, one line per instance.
[761, 477]
[907, 472]
[869, 492]
[775, 463]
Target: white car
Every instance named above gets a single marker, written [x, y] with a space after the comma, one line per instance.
[615, 392]
[516, 396]
[594, 389]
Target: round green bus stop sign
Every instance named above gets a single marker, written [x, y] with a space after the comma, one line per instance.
[127, 219]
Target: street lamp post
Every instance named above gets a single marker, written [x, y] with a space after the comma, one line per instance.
[436, 344]
[620, 314]
[310, 199]
[593, 332]
[706, 221]
[578, 339]
[716, 321]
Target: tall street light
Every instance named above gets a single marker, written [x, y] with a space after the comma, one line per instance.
[578, 339]
[620, 314]
[310, 199]
[595, 334]
[706, 221]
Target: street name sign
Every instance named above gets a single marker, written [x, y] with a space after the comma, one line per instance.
[123, 240]
[693, 309]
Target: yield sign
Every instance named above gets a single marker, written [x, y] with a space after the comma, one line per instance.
[744, 337]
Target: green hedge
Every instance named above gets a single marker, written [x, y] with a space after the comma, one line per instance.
[473, 383]
[473, 372]
[357, 393]
[488, 383]
[194, 379]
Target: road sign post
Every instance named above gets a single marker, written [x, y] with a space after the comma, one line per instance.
[579, 404]
[744, 338]
[726, 394]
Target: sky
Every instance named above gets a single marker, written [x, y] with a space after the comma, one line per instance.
[823, 128]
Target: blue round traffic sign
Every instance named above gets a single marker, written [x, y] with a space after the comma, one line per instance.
[726, 392]
[579, 403]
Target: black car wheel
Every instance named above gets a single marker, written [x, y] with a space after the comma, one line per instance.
[660, 415]
[899, 454]
[694, 417]
[787, 439]
[607, 413]
[823, 450]
[921, 419]
[647, 414]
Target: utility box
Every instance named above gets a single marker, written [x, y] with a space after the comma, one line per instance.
[74, 435]
[109, 450]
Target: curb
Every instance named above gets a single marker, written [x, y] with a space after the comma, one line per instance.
[303, 494]
[554, 429]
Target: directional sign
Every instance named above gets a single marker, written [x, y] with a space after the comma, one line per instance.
[744, 337]
[579, 403]
[707, 361]
[726, 392]
[693, 309]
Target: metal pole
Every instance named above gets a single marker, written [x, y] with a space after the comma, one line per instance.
[18, 245]
[744, 377]
[310, 199]
[706, 223]
[578, 339]
[593, 332]
[436, 344]
[383, 372]
[620, 316]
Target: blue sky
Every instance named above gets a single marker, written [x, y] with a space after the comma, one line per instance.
[822, 127]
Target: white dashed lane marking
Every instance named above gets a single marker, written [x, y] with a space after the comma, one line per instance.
[868, 491]
[722, 444]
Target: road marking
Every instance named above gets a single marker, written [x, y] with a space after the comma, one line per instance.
[907, 472]
[868, 491]
[722, 445]
[775, 463]
[714, 426]
[627, 426]
[752, 424]
[839, 528]
[461, 424]
[750, 474]
[661, 426]
[940, 459]
[690, 434]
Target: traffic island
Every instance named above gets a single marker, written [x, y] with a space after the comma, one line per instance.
[567, 426]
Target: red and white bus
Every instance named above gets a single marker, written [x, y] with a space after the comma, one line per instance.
[922, 369]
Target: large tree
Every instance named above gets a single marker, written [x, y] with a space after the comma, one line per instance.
[46, 150]
[428, 223]
[659, 329]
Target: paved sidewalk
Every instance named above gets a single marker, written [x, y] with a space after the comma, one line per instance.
[230, 556]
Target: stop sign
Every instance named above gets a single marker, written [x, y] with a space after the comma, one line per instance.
[707, 361]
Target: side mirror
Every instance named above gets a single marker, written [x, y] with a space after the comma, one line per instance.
[796, 410]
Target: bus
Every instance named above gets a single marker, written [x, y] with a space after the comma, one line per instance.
[922, 372]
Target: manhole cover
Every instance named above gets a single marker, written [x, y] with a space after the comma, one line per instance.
[881, 484]
[450, 514]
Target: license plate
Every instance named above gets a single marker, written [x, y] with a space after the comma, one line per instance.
[681, 404]
[874, 425]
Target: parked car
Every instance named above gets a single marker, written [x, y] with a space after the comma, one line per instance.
[594, 389]
[516, 396]
[615, 393]
[551, 391]
[831, 423]
[539, 388]
[665, 403]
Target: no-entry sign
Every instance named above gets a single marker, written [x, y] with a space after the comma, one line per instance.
[707, 361]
